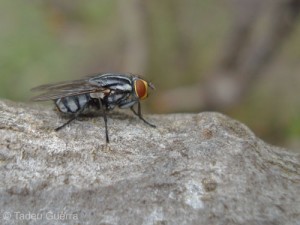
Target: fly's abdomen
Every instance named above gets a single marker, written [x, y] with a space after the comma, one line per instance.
[72, 104]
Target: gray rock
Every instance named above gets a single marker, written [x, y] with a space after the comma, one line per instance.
[193, 169]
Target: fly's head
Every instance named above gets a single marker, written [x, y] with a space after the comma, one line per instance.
[141, 88]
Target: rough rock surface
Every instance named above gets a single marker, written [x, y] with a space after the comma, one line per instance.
[193, 169]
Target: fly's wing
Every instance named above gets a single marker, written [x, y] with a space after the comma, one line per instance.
[65, 89]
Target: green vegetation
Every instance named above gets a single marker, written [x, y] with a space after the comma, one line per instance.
[49, 41]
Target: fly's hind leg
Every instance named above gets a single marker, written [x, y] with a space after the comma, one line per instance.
[139, 114]
[70, 120]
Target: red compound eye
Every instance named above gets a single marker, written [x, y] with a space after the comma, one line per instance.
[141, 88]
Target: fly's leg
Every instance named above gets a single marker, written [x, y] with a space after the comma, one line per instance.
[139, 114]
[105, 120]
[70, 120]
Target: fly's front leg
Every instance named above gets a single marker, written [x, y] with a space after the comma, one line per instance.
[139, 114]
[130, 104]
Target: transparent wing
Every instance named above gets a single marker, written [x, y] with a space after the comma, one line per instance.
[65, 89]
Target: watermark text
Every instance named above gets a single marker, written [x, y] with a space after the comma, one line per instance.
[21, 216]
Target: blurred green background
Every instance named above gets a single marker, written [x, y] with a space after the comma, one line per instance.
[178, 45]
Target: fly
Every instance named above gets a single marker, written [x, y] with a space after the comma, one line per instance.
[103, 91]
